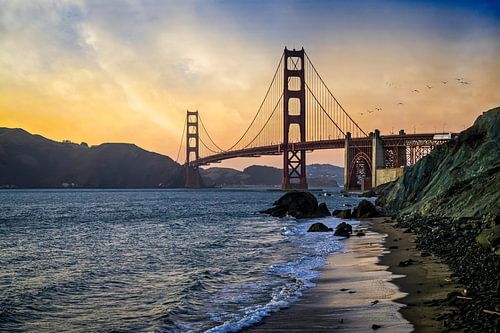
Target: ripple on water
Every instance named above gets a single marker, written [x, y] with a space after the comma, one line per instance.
[164, 260]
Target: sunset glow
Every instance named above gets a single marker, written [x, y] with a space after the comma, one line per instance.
[127, 71]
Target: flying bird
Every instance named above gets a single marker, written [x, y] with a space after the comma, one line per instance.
[444, 82]
[459, 79]
[415, 90]
[428, 86]
[361, 113]
[378, 109]
[400, 103]
[370, 111]
[464, 82]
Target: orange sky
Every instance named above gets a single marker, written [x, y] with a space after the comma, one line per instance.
[127, 72]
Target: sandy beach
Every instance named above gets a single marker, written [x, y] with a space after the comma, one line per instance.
[366, 286]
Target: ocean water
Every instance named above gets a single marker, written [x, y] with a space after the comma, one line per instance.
[152, 260]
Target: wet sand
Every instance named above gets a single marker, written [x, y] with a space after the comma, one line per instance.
[366, 287]
[426, 280]
[342, 299]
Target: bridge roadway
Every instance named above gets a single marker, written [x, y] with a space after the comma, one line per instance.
[389, 141]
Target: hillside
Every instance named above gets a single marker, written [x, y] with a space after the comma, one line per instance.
[318, 175]
[458, 179]
[28, 160]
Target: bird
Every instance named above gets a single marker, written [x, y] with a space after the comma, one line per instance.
[459, 79]
[370, 111]
[428, 86]
[378, 109]
[361, 113]
[464, 82]
[400, 103]
[415, 90]
[444, 82]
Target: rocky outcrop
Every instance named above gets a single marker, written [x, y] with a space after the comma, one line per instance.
[342, 213]
[299, 204]
[458, 179]
[365, 209]
[319, 227]
[343, 230]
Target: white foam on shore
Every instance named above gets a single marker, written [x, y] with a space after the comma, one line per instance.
[316, 247]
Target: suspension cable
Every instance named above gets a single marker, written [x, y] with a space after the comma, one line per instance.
[331, 94]
[261, 104]
[182, 140]
[208, 134]
[267, 121]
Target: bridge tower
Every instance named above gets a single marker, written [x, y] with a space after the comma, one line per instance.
[193, 178]
[294, 109]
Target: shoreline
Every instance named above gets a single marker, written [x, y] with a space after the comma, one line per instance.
[425, 280]
[353, 293]
[365, 289]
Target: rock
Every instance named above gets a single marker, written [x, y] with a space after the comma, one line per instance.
[406, 263]
[343, 230]
[319, 227]
[360, 233]
[365, 209]
[342, 213]
[323, 209]
[489, 238]
[375, 327]
[425, 254]
[299, 204]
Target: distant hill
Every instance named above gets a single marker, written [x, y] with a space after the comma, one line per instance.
[317, 175]
[28, 160]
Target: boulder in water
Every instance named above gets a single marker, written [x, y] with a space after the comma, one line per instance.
[299, 204]
[365, 209]
[342, 213]
[319, 227]
[323, 209]
[343, 230]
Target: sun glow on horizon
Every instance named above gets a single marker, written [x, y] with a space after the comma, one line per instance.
[128, 71]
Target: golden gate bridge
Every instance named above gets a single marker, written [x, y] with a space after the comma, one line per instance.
[298, 114]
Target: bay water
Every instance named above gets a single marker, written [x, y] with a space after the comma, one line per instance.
[153, 260]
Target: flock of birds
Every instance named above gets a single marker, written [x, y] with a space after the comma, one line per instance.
[414, 91]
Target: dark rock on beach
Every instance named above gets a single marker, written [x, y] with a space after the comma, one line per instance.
[299, 204]
[342, 213]
[323, 209]
[365, 209]
[343, 230]
[450, 201]
[319, 227]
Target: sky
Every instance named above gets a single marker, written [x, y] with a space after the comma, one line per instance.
[127, 71]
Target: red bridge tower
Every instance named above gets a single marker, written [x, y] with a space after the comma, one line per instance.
[294, 108]
[193, 177]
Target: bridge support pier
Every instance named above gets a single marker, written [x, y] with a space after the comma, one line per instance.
[377, 156]
[347, 163]
[193, 178]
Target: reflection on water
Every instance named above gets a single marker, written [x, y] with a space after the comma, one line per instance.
[157, 260]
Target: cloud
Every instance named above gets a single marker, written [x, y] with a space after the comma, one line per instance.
[128, 70]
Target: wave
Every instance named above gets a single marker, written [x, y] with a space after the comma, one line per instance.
[300, 273]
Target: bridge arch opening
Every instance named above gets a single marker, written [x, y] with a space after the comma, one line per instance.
[360, 172]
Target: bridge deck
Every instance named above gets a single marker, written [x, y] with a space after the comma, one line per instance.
[389, 140]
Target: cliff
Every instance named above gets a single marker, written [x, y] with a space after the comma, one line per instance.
[458, 179]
